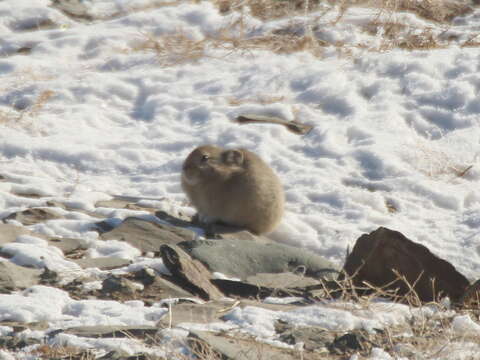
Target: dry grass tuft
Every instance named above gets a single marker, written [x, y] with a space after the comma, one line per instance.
[20, 116]
[63, 352]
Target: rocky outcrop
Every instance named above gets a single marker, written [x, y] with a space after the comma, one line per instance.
[390, 261]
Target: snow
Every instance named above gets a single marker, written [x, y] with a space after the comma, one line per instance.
[395, 135]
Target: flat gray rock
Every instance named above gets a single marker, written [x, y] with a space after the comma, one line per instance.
[67, 245]
[314, 338]
[14, 277]
[242, 259]
[102, 263]
[281, 280]
[147, 236]
[193, 313]
[9, 233]
[164, 289]
[239, 347]
[106, 331]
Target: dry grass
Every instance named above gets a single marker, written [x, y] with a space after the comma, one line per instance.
[435, 10]
[238, 39]
[436, 162]
[426, 334]
[24, 117]
[63, 352]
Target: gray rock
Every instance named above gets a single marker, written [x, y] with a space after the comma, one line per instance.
[314, 338]
[188, 272]
[242, 259]
[146, 235]
[164, 289]
[116, 284]
[34, 216]
[193, 313]
[14, 277]
[21, 326]
[123, 204]
[107, 331]
[281, 280]
[237, 347]
[9, 233]
[67, 245]
[102, 263]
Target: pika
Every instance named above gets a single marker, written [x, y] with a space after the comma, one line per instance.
[233, 186]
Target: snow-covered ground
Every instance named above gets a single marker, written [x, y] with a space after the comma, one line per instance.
[92, 110]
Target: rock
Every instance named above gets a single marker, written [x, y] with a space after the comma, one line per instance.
[147, 236]
[157, 288]
[162, 288]
[34, 216]
[67, 245]
[21, 326]
[17, 342]
[245, 290]
[314, 338]
[238, 347]
[193, 313]
[123, 204]
[110, 331]
[281, 280]
[14, 277]
[9, 233]
[188, 272]
[182, 221]
[102, 263]
[347, 343]
[116, 284]
[240, 259]
[376, 254]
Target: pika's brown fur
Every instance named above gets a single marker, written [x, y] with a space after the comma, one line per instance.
[233, 186]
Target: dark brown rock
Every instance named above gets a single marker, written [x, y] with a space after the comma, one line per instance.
[189, 273]
[147, 236]
[376, 256]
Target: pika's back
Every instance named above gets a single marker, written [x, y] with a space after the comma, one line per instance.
[234, 186]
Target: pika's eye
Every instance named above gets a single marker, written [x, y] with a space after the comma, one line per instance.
[204, 158]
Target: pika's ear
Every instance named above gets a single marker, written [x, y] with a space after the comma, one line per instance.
[233, 157]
